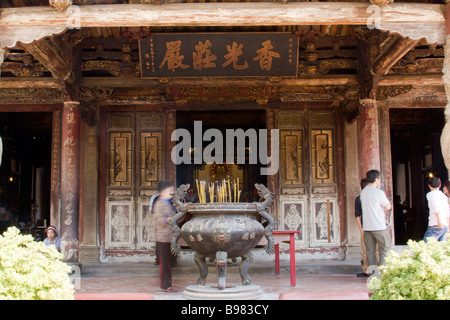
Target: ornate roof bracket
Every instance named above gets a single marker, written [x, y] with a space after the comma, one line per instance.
[60, 4]
[431, 32]
[10, 36]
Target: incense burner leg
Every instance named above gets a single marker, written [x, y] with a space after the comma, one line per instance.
[221, 261]
[243, 268]
[200, 261]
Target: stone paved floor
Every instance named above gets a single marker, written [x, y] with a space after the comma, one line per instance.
[308, 285]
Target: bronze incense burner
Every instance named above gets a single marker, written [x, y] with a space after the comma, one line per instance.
[222, 230]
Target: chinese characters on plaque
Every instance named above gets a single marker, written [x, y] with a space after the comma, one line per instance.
[219, 54]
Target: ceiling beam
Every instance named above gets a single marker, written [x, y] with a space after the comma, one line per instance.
[371, 69]
[28, 82]
[117, 82]
[391, 55]
[222, 14]
[46, 54]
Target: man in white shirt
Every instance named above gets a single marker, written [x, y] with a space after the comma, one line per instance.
[439, 211]
[374, 203]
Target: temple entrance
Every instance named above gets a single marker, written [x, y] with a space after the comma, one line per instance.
[25, 171]
[416, 154]
[245, 175]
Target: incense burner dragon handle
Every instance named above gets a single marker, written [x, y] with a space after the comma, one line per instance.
[181, 205]
[266, 200]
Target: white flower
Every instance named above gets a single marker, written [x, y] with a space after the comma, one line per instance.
[30, 270]
[421, 273]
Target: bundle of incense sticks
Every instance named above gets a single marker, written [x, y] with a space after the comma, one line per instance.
[211, 192]
[201, 191]
[223, 191]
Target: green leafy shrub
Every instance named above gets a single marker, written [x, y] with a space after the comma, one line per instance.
[30, 270]
[420, 273]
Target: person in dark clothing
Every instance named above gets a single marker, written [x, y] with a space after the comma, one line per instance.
[359, 217]
[399, 221]
[174, 257]
[164, 211]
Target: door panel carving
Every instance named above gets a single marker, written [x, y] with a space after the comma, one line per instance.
[120, 219]
[120, 159]
[291, 156]
[322, 156]
[294, 217]
[151, 158]
[135, 166]
[307, 176]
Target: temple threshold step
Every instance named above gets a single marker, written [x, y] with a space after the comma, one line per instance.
[334, 266]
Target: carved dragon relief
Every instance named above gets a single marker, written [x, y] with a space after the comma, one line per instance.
[266, 201]
[180, 203]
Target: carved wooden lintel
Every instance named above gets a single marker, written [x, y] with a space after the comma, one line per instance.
[27, 68]
[392, 91]
[346, 98]
[115, 68]
[30, 96]
[88, 93]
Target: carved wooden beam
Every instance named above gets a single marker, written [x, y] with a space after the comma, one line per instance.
[28, 82]
[391, 55]
[48, 55]
[431, 80]
[371, 69]
[223, 14]
[125, 82]
[118, 82]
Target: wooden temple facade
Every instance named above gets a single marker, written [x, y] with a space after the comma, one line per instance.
[363, 87]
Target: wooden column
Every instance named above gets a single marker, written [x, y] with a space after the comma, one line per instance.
[386, 166]
[170, 169]
[369, 145]
[369, 137]
[341, 174]
[70, 180]
[272, 180]
[89, 251]
[352, 188]
[55, 206]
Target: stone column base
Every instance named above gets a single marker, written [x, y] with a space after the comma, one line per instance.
[89, 254]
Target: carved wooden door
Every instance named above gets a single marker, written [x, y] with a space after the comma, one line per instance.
[308, 188]
[134, 168]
